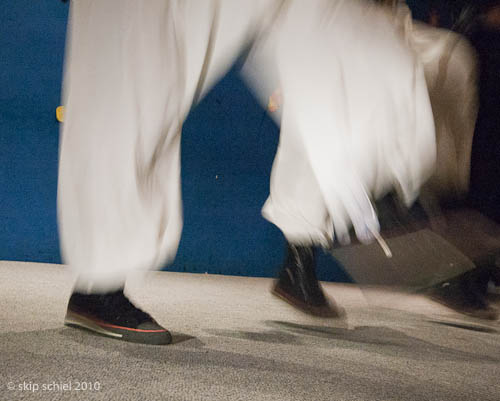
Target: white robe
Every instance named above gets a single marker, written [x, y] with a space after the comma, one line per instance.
[356, 120]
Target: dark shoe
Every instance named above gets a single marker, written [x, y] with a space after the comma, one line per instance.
[465, 294]
[297, 284]
[113, 315]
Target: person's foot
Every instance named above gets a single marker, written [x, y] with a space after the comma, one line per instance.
[113, 315]
[297, 284]
[465, 294]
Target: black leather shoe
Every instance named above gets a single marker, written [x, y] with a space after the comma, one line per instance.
[297, 284]
[113, 315]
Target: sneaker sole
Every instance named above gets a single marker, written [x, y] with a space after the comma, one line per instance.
[329, 311]
[152, 337]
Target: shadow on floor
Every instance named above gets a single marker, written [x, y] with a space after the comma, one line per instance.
[471, 327]
[386, 341]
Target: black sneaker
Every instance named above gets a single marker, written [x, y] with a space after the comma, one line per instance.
[297, 284]
[465, 294]
[113, 315]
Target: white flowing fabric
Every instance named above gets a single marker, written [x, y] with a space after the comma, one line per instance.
[356, 120]
[299, 202]
[450, 66]
[357, 124]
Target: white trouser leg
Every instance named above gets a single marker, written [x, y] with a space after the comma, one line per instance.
[357, 120]
[119, 188]
[131, 73]
[295, 203]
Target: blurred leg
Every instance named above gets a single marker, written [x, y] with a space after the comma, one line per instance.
[119, 187]
[296, 206]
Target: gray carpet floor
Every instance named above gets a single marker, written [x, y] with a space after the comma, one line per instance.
[234, 341]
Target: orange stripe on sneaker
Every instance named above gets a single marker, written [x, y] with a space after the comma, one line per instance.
[128, 328]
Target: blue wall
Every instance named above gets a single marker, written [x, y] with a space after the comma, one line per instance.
[228, 135]
[31, 53]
